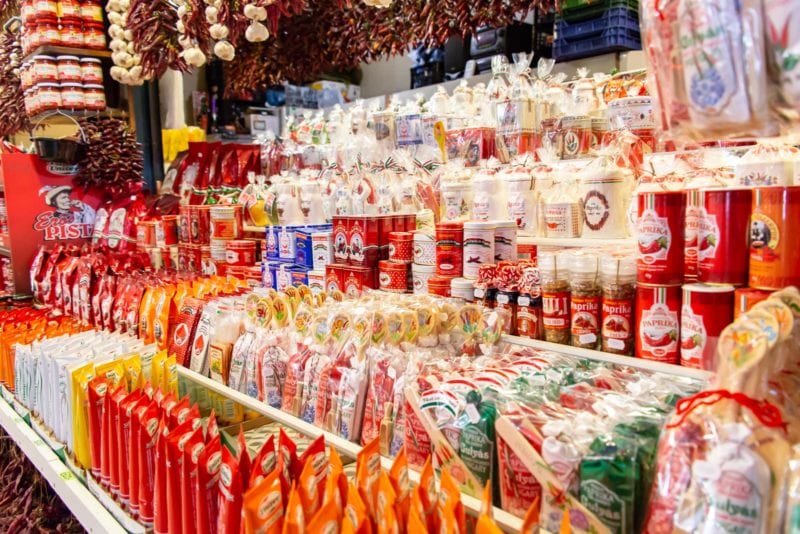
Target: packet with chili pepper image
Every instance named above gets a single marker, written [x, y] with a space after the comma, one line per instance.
[398, 474]
[147, 313]
[427, 495]
[183, 329]
[368, 472]
[450, 506]
[308, 487]
[162, 316]
[385, 512]
[206, 486]
[335, 483]
[263, 506]
[38, 271]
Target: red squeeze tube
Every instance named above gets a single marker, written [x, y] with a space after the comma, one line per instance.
[206, 487]
[115, 421]
[174, 467]
[192, 447]
[160, 511]
[124, 443]
[98, 387]
[148, 421]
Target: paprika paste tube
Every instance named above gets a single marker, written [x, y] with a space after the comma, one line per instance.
[660, 230]
[722, 246]
[706, 311]
[98, 388]
[657, 316]
[774, 243]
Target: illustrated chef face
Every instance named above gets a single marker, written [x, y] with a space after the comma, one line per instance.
[61, 201]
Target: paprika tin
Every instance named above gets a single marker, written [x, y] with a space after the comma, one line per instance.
[199, 224]
[449, 249]
[183, 223]
[194, 258]
[146, 234]
[576, 134]
[420, 274]
[240, 252]
[745, 298]
[694, 203]
[333, 278]
[393, 277]
[658, 322]
[774, 244]
[226, 222]
[439, 285]
[722, 237]
[401, 249]
[341, 227]
[322, 249]
[660, 230]
[706, 311]
[363, 245]
[424, 249]
[167, 231]
[478, 246]
[356, 279]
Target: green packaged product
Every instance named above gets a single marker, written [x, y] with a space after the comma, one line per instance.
[609, 475]
[477, 439]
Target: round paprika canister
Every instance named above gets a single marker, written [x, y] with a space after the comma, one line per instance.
[705, 312]
[775, 238]
[658, 322]
[226, 222]
[393, 277]
[240, 252]
[439, 285]
[478, 246]
[401, 247]
[199, 224]
[745, 298]
[449, 248]
[722, 236]
[420, 276]
[424, 249]
[660, 235]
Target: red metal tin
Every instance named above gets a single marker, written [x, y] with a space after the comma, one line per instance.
[226, 221]
[341, 228]
[199, 224]
[146, 234]
[706, 311]
[694, 203]
[722, 245]
[240, 252]
[393, 277]
[167, 231]
[356, 279]
[658, 322]
[775, 238]
[333, 278]
[449, 249]
[439, 285]
[362, 241]
[660, 226]
[745, 298]
[401, 247]
[183, 223]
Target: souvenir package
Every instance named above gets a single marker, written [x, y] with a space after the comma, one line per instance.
[707, 61]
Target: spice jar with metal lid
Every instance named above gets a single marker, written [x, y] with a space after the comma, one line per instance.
[506, 305]
[44, 69]
[618, 279]
[48, 30]
[585, 300]
[72, 32]
[69, 69]
[463, 289]
[91, 70]
[555, 297]
[95, 96]
[48, 96]
[485, 290]
[72, 96]
[92, 11]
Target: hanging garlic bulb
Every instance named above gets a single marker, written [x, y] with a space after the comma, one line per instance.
[126, 69]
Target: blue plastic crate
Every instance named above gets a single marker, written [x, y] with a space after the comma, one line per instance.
[577, 10]
[614, 19]
[613, 40]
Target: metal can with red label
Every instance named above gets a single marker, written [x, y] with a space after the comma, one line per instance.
[706, 311]
[722, 237]
[660, 231]
[694, 203]
[393, 277]
[745, 298]
[449, 249]
[240, 252]
[658, 321]
[167, 231]
[183, 223]
[199, 224]
[774, 242]
[439, 285]
[401, 247]
[226, 222]
[146, 234]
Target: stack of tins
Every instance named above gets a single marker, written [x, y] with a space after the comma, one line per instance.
[211, 242]
[705, 257]
[159, 238]
[394, 274]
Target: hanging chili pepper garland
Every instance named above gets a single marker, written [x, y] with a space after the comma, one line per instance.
[113, 159]
[153, 24]
[13, 117]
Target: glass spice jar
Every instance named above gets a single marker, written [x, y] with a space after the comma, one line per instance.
[529, 316]
[31, 36]
[48, 96]
[95, 97]
[585, 301]
[555, 297]
[45, 8]
[72, 96]
[48, 30]
[72, 32]
[506, 304]
[92, 11]
[69, 69]
[45, 69]
[91, 70]
[69, 8]
[28, 12]
[618, 280]
[94, 36]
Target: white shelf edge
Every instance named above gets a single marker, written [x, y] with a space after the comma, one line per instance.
[504, 520]
[307, 429]
[80, 501]
[600, 356]
[574, 242]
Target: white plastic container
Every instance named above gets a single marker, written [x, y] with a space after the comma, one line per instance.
[424, 249]
[505, 241]
[420, 275]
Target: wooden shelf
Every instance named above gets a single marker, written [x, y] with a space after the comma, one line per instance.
[67, 51]
[108, 112]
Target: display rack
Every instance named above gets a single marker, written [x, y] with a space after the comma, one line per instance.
[504, 520]
[599, 356]
[90, 512]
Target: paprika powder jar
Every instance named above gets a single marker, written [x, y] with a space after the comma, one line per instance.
[618, 280]
[722, 237]
[774, 243]
[555, 297]
[660, 230]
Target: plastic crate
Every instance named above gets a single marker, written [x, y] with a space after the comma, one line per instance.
[612, 40]
[577, 10]
[613, 19]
